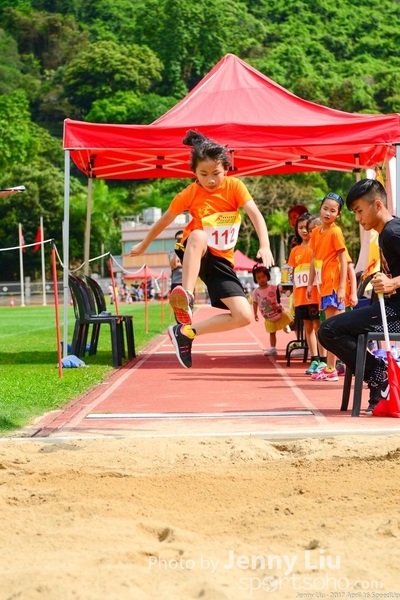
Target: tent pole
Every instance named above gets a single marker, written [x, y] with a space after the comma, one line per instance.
[88, 227]
[66, 249]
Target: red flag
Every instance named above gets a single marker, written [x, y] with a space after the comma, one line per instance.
[22, 241]
[38, 239]
[390, 407]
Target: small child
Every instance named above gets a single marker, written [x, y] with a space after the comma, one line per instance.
[306, 311]
[329, 269]
[266, 297]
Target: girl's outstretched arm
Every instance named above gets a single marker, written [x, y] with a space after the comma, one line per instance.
[258, 221]
[153, 232]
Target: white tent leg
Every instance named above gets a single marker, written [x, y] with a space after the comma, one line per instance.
[88, 226]
[66, 249]
[396, 182]
[364, 235]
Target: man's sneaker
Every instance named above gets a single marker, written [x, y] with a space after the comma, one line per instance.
[370, 408]
[377, 392]
[182, 344]
[325, 375]
[313, 368]
[271, 352]
[182, 303]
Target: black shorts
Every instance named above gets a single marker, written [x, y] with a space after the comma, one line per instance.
[220, 279]
[307, 312]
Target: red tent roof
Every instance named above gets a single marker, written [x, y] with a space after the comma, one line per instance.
[268, 130]
[242, 262]
[144, 272]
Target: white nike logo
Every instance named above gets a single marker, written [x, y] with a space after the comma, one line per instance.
[385, 393]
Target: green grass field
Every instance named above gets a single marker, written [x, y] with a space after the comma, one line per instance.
[29, 378]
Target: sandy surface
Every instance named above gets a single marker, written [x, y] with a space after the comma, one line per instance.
[232, 518]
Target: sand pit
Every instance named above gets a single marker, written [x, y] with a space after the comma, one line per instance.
[216, 519]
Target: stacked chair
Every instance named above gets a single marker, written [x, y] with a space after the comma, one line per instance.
[101, 306]
[86, 315]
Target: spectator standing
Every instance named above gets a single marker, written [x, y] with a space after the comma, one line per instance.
[306, 309]
[328, 269]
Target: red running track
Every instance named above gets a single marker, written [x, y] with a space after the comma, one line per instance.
[232, 389]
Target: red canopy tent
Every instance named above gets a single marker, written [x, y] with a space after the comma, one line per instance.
[242, 262]
[267, 129]
[144, 272]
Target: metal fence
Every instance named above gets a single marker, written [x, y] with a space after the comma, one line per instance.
[10, 293]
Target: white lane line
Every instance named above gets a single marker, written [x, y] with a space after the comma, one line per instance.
[224, 415]
[296, 390]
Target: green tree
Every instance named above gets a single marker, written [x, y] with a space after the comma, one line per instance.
[128, 107]
[43, 197]
[105, 20]
[53, 39]
[17, 144]
[11, 77]
[278, 225]
[106, 68]
[191, 37]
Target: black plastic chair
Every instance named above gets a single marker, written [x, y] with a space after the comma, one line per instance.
[361, 354]
[85, 315]
[101, 306]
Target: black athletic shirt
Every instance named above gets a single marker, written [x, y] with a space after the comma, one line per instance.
[389, 243]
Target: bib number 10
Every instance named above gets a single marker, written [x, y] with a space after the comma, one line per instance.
[301, 279]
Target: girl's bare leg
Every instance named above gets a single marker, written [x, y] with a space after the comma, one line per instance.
[331, 311]
[310, 337]
[239, 316]
[196, 248]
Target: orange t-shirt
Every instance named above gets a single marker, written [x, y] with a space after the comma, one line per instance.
[299, 259]
[326, 245]
[217, 213]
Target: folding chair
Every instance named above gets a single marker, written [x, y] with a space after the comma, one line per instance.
[85, 316]
[300, 343]
[101, 305]
[361, 355]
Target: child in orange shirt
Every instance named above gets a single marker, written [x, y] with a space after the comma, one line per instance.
[306, 310]
[329, 269]
[208, 244]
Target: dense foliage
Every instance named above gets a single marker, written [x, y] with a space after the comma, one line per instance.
[128, 61]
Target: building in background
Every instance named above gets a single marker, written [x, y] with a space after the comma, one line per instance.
[133, 231]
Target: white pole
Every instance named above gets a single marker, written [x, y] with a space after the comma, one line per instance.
[86, 256]
[43, 265]
[384, 321]
[102, 260]
[21, 263]
[66, 250]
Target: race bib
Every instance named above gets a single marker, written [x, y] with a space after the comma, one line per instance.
[318, 271]
[301, 275]
[222, 229]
